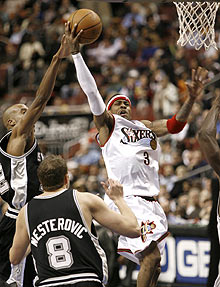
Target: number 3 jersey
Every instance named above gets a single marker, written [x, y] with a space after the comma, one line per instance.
[63, 248]
[131, 156]
[18, 176]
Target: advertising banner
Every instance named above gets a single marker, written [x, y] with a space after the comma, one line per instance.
[185, 260]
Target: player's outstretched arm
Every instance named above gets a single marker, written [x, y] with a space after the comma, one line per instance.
[86, 80]
[207, 136]
[195, 90]
[21, 240]
[125, 223]
[44, 91]
[178, 121]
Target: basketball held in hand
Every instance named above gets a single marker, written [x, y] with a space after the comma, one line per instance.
[88, 21]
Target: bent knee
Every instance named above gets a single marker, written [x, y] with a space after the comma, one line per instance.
[152, 258]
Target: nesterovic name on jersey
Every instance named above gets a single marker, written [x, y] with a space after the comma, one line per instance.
[133, 136]
[57, 224]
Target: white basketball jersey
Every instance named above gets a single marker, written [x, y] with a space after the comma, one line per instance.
[131, 156]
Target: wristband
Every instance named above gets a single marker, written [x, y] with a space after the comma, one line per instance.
[174, 126]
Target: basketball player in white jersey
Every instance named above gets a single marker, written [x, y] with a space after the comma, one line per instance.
[131, 153]
[209, 146]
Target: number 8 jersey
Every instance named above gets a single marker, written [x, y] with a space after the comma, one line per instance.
[63, 248]
[131, 156]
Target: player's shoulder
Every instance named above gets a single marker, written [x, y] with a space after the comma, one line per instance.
[86, 195]
[88, 199]
[147, 123]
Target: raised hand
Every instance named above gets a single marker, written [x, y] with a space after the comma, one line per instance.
[70, 41]
[113, 189]
[72, 38]
[199, 80]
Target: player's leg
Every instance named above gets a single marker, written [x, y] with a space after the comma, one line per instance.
[7, 230]
[8, 271]
[149, 264]
[29, 272]
[156, 274]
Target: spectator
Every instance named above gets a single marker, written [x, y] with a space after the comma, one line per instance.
[179, 184]
[193, 208]
[166, 97]
[134, 17]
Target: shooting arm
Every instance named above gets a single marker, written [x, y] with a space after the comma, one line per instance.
[89, 86]
[84, 76]
[207, 136]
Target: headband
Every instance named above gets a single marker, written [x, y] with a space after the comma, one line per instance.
[115, 98]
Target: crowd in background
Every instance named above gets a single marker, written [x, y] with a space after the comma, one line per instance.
[137, 55]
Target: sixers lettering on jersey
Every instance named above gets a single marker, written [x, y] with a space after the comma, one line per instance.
[133, 136]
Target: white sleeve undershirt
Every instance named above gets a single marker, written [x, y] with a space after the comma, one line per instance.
[88, 85]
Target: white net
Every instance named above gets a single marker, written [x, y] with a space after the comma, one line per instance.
[197, 23]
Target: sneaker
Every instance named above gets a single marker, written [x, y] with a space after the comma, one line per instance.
[5, 284]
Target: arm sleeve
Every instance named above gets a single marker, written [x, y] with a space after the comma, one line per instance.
[88, 85]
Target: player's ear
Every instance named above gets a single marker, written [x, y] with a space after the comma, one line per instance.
[67, 180]
[11, 123]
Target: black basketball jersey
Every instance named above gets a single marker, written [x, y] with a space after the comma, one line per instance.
[18, 176]
[63, 248]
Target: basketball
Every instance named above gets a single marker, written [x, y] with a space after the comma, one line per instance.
[89, 22]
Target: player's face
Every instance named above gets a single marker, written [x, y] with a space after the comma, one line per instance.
[18, 111]
[121, 108]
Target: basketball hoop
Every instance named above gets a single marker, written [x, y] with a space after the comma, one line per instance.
[196, 23]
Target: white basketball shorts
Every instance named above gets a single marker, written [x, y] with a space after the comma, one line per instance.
[152, 218]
